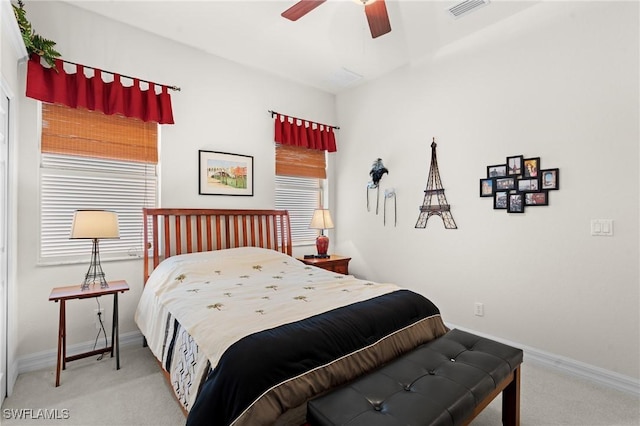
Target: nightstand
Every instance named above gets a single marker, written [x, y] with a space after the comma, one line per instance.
[334, 262]
[61, 295]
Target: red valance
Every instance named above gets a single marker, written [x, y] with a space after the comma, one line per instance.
[307, 134]
[79, 91]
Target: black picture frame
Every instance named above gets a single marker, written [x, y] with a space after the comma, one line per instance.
[531, 167]
[515, 202]
[505, 183]
[540, 198]
[550, 179]
[496, 171]
[487, 187]
[528, 185]
[223, 173]
[500, 200]
[514, 165]
[518, 183]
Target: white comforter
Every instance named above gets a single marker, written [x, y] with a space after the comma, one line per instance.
[219, 297]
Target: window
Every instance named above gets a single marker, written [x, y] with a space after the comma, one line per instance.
[94, 161]
[300, 179]
[300, 196]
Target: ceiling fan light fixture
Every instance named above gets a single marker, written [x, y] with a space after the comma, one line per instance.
[375, 11]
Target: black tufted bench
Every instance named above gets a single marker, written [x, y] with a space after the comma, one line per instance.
[447, 381]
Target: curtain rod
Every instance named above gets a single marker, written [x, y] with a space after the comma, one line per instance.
[302, 119]
[122, 75]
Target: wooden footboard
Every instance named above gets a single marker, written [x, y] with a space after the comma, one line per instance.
[173, 231]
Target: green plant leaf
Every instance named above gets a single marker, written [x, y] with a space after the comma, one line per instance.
[34, 42]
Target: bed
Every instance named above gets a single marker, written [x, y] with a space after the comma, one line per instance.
[246, 333]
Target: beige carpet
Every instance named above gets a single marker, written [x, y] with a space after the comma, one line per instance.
[95, 393]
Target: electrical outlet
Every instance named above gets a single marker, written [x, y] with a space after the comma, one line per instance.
[478, 309]
[98, 317]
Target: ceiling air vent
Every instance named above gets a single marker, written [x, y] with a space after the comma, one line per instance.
[344, 78]
[465, 7]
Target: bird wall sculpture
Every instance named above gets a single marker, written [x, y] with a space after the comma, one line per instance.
[377, 171]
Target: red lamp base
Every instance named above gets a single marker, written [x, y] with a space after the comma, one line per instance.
[322, 245]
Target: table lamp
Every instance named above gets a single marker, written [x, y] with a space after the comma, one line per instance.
[94, 225]
[321, 220]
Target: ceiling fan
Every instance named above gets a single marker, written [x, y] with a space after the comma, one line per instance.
[375, 10]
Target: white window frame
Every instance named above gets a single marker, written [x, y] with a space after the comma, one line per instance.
[69, 183]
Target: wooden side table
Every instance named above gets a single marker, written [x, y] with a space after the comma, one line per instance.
[62, 294]
[334, 262]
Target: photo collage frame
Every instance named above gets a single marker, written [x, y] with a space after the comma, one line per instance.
[519, 183]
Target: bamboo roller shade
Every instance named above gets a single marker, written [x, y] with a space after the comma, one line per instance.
[81, 132]
[300, 162]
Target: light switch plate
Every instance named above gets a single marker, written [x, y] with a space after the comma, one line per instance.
[602, 227]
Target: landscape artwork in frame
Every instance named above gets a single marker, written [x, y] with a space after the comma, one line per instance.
[503, 184]
[500, 199]
[486, 187]
[536, 198]
[514, 165]
[222, 173]
[515, 203]
[550, 178]
[499, 170]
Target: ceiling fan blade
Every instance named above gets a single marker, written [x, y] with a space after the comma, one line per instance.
[301, 8]
[378, 18]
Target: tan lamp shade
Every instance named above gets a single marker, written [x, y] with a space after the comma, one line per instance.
[321, 219]
[95, 224]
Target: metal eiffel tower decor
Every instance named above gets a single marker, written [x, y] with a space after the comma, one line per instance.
[440, 206]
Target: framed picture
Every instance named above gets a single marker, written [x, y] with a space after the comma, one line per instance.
[531, 167]
[222, 173]
[486, 187]
[500, 199]
[505, 183]
[536, 198]
[514, 165]
[518, 183]
[499, 170]
[528, 185]
[550, 178]
[515, 203]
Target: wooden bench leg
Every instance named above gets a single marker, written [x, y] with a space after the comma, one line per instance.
[511, 401]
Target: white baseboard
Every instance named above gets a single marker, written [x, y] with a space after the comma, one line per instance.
[12, 376]
[569, 366]
[46, 359]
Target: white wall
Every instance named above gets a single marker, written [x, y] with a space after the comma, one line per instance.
[558, 81]
[222, 107]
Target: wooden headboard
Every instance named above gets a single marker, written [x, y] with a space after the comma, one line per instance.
[168, 232]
